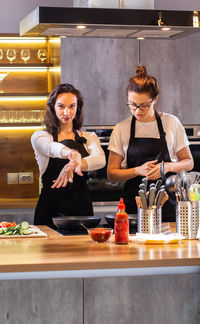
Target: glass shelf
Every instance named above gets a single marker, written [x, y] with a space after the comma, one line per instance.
[21, 67]
[23, 96]
[25, 65]
[19, 117]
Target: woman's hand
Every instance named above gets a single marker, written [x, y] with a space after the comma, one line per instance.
[75, 159]
[66, 175]
[154, 173]
[146, 168]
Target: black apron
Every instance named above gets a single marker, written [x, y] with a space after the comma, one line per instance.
[72, 200]
[141, 150]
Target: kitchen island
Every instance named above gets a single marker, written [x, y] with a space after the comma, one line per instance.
[71, 279]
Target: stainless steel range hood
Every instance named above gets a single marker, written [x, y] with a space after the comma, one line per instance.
[98, 22]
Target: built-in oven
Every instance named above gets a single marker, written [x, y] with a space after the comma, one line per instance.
[193, 133]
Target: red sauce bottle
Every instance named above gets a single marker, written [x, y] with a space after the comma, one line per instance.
[121, 224]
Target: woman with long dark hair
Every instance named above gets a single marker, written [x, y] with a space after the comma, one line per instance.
[147, 143]
[64, 154]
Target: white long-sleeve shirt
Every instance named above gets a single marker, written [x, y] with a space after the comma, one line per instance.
[45, 147]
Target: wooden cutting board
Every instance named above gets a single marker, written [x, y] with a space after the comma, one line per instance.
[36, 233]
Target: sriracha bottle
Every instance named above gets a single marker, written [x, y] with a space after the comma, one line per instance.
[121, 224]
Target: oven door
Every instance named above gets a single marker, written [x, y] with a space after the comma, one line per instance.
[100, 188]
[195, 150]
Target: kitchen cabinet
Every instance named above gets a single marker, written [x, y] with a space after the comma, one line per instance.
[23, 97]
[100, 68]
[175, 63]
[24, 89]
[98, 282]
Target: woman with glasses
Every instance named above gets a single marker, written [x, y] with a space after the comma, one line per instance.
[64, 153]
[147, 144]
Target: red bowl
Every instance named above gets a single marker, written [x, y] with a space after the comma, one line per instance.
[100, 235]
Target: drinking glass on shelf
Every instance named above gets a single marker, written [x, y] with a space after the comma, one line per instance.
[10, 116]
[1, 53]
[42, 55]
[26, 116]
[3, 116]
[37, 116]
[2, 77]
[11, 55]
[25, 54]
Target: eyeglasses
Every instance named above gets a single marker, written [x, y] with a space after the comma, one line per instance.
[143, 107]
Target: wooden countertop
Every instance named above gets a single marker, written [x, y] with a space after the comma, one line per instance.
[57, 252]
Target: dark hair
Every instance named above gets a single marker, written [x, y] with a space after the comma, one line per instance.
[50, 119]
[143, 82]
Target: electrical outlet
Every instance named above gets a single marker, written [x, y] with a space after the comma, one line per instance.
[26, 177]
[12, 178]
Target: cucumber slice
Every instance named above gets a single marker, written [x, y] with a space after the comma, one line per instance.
[24, 225]
[1, 231]
[16, 232]
[8, 233]
[27, 231]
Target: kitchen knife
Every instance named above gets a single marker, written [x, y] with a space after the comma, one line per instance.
[159, 197]
[162, 187]
[152, 194]
[143, 198]
[152, 185]
[158, 185]
[197, 179]
[145, 181]
[142, 187]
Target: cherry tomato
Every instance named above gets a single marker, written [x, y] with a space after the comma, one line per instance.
[7, 224]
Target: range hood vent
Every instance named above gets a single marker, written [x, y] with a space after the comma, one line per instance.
[98, 22]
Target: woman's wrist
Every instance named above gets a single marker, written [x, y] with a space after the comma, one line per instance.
[66, 152]
[167, 167]
[136, 172]
[70, 156]
[75, 155]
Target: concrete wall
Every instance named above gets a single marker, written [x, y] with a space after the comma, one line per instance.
[101, 68]
[12, 11]
[177, 4]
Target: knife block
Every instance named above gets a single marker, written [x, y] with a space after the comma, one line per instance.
[149, 220]
[188, 218]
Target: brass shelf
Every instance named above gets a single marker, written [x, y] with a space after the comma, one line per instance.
[26, 124]
[28, 65]
[20, 94]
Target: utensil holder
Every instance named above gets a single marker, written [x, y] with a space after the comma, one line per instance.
[149, 220]
[188, 218]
